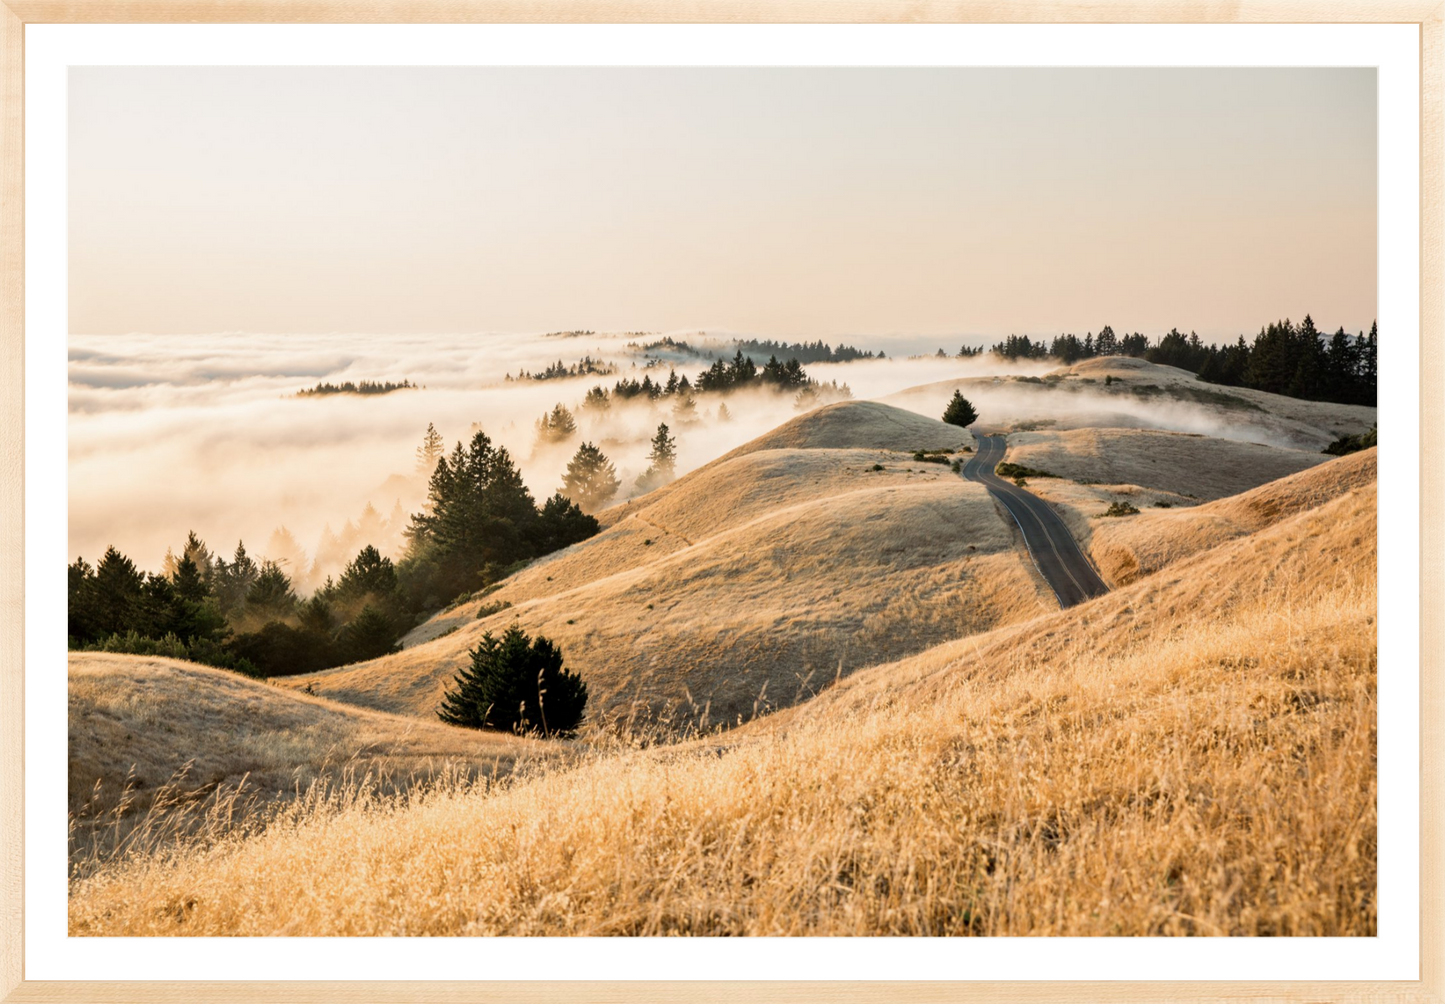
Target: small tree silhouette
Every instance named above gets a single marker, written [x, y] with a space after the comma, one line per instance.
[959, 411]
[516, 684]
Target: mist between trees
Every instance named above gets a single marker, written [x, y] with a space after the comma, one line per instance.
[478, 524]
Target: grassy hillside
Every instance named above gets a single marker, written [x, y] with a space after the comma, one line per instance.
[1191, 754]
[1126, 549]
[136, 721]
[748, 585]
[1193, 466]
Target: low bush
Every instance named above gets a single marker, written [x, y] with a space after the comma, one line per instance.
[1120, 509]
[1008, 470]
[1352, 444]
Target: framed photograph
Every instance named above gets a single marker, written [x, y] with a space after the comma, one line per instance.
[768, 501]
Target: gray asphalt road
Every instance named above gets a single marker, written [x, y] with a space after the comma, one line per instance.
[1052, 546]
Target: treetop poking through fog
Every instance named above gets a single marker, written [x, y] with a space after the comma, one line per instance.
[787, 202]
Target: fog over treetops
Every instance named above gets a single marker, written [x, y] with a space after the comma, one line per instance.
[175, 433]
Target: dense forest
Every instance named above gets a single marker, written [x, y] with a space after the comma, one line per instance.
[1284, 358]
[479, 524]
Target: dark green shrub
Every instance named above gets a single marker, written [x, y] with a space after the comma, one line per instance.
[516, 684]
[1353, 444]
[1008, 470]
[1120, 509]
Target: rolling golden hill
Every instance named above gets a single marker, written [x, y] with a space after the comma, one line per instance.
[1193, 753]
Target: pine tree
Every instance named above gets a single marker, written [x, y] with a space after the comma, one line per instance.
[478, 514]
[960, 411]
[430, 451]
[271, 596]
[369, 636]
[285, 550]
[562, 524]
[555, 426]
[596, 400]
[516, 684]
[663, 458]
[116, 599]
[684, 411]
[367, 576]
[723, 415]
[591, 480]
[664, 452]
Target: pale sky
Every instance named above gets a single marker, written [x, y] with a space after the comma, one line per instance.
[790, 202]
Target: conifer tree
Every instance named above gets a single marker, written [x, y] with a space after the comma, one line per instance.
[515, 684]
[430, 451]
[960, 411]
[271, 596]
[591, 480]
[663, 461]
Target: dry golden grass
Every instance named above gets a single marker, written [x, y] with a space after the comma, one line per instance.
[1174, 462]
[1193, 754]
[782, 570]
[1126, 549]
[136, 721]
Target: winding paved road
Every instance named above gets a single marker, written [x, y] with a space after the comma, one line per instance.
[1052, 546]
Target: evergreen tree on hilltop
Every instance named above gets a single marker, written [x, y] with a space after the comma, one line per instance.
[516, 684]
[591, 480]
[960, 411]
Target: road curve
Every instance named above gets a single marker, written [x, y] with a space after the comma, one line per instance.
[1051, 545]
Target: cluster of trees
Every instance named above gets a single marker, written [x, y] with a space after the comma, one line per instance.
[364, 387]
[478, 523]
[1298, 361]
[805, 352]
[586, 366]
[1284, 358]
[236, 614]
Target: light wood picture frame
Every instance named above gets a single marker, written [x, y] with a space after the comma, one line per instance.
[15, 15]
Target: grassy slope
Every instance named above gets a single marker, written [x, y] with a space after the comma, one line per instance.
[747, 585]
[139, 719]
[1125, 549]
[1193, 753]
[1174, 462]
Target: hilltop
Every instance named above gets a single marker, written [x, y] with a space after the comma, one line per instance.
[748, 584]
